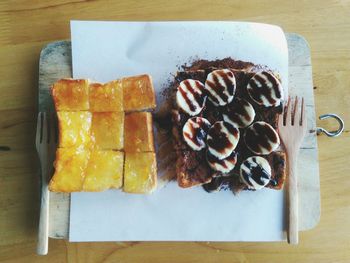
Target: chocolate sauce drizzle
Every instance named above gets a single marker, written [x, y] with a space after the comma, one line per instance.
[256, 172]
[198, 134]
[219, 89]
[219, 139]
[231, 159]
[197, 93]
[261, 136]
[218, 183]
[237, 112]
[263, 87]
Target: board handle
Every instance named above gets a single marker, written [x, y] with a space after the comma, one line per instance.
[334, 133]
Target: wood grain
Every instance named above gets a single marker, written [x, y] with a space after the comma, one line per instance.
[26, 26]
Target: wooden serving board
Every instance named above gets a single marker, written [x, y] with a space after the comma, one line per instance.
[56, 63]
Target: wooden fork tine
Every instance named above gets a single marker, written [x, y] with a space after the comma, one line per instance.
[296, 112]
[288, 113]
[55, 128]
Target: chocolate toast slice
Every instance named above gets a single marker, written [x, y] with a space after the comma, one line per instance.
[192, 167]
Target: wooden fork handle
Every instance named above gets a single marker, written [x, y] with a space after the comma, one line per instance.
[43, 235]
[43, 231]
[293, 236]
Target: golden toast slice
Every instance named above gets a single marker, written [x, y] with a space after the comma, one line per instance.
[108, 130]
[138, 93]
[106, 97]
[138, 129]
[71, 94]
[104, 171]
[74, 128]
[70, 168]
[140, 173]
[95, 152]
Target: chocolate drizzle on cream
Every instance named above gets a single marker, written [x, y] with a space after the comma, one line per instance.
[190, 97]
[195, 132]
[265, 89]
[261, 138]
[255, 172]
[222, 139]
[220, 86]
[239, 113]
[225, 165]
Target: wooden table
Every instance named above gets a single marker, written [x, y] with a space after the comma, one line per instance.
[26, 26]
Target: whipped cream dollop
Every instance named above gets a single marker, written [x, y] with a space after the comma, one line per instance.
[225, 165]
[261, 138]
[190, 96]
[255, 172]
[222, 139]
[265, 89]
[220, 86]
[195, 132]
[239, 113]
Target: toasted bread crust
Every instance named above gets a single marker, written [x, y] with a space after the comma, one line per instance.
[137, 87]
[71, 94]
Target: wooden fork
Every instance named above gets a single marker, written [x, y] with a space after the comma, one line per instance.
[45, 142]
[292, 128]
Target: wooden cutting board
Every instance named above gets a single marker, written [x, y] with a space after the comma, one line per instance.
[56, 63]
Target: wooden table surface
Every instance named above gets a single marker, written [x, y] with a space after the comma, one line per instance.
[27, 25]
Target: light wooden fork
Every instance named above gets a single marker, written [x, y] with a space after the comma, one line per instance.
[46, 142]
[292, 126]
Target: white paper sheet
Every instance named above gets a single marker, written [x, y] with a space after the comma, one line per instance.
[104, 51]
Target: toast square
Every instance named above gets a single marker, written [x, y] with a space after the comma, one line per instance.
[74, 128]
[108, 130]
[69, 166]
[140, 173]
[71, 94]
[106, 97]
[138, 132]
[138, 93]
[104, 171]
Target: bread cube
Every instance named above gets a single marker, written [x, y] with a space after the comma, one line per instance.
[74, 128]
[138, 93]
[106, 97]
[138, 132]
[104, 171]
[108, 130]
[70, 168]
[140, 173]
[71, 94]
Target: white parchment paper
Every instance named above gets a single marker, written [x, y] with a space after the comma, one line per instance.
[104, 51]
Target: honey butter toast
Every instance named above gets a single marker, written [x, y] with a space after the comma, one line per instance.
[105, 135]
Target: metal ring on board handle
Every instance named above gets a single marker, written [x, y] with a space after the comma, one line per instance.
[335, 133]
